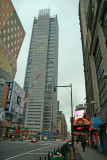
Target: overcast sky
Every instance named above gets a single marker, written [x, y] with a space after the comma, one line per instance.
[70, 59]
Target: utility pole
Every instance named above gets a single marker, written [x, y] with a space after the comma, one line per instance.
[72, 140]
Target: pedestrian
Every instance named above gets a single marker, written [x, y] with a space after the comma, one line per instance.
[13, 138]
[77, 140]
[83, 144]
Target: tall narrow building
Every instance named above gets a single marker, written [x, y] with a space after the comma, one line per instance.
[41, 75]
[93, 24]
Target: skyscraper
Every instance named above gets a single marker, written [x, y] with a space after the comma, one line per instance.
[41, 74]
[11, 37]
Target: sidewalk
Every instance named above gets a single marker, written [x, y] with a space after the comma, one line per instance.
[89, 154]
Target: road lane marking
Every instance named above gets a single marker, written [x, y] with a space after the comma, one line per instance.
[26, 153]
[36, 153]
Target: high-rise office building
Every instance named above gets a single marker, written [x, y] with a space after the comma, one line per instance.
[11, 38]
[41, 74]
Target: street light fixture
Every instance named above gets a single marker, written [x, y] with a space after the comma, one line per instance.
[72, 157]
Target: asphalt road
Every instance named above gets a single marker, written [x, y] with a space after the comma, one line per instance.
[26, 150]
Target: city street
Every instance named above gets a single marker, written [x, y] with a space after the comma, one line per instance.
[24, 150]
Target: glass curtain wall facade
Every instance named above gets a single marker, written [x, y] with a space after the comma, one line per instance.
[41, 75]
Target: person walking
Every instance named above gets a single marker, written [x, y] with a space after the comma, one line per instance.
[83, 144]
[77, 140]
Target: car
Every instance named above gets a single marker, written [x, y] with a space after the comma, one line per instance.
[25, 138]
[20, 139]
[33, 140]
[53, 139]
[67, 140]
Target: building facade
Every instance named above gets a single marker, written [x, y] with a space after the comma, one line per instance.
[11, 38]
[61, 125]
[93, 24]
[41, 74]
[93, 17]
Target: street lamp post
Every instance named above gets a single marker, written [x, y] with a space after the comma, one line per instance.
[72, 157]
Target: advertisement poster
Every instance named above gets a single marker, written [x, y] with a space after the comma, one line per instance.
[79, 114]
[15, 99]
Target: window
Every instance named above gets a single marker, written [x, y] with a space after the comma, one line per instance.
[104, 22]
[103, 96]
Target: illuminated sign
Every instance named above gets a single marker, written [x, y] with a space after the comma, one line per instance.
[80, 121]
[81, 125]
[82, 128]
[79, 114]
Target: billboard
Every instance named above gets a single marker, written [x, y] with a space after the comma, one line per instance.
[79, 114]
[15, 99]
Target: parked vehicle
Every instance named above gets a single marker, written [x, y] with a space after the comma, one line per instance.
[25, 138]
[33, 140]
[20, 139]
[45, 138]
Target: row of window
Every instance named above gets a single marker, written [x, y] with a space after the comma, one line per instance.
[5, 5]
[97, 53]
[103, 95]
[33, 124]
[12, 30]
[34, 107]
[29, 114]
[100, 72]
[12, 37]
[32, 121]
[34, 117]
[104, 25]
[34, 111]
[98, 62]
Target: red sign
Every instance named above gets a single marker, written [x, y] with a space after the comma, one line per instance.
[17, 131]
